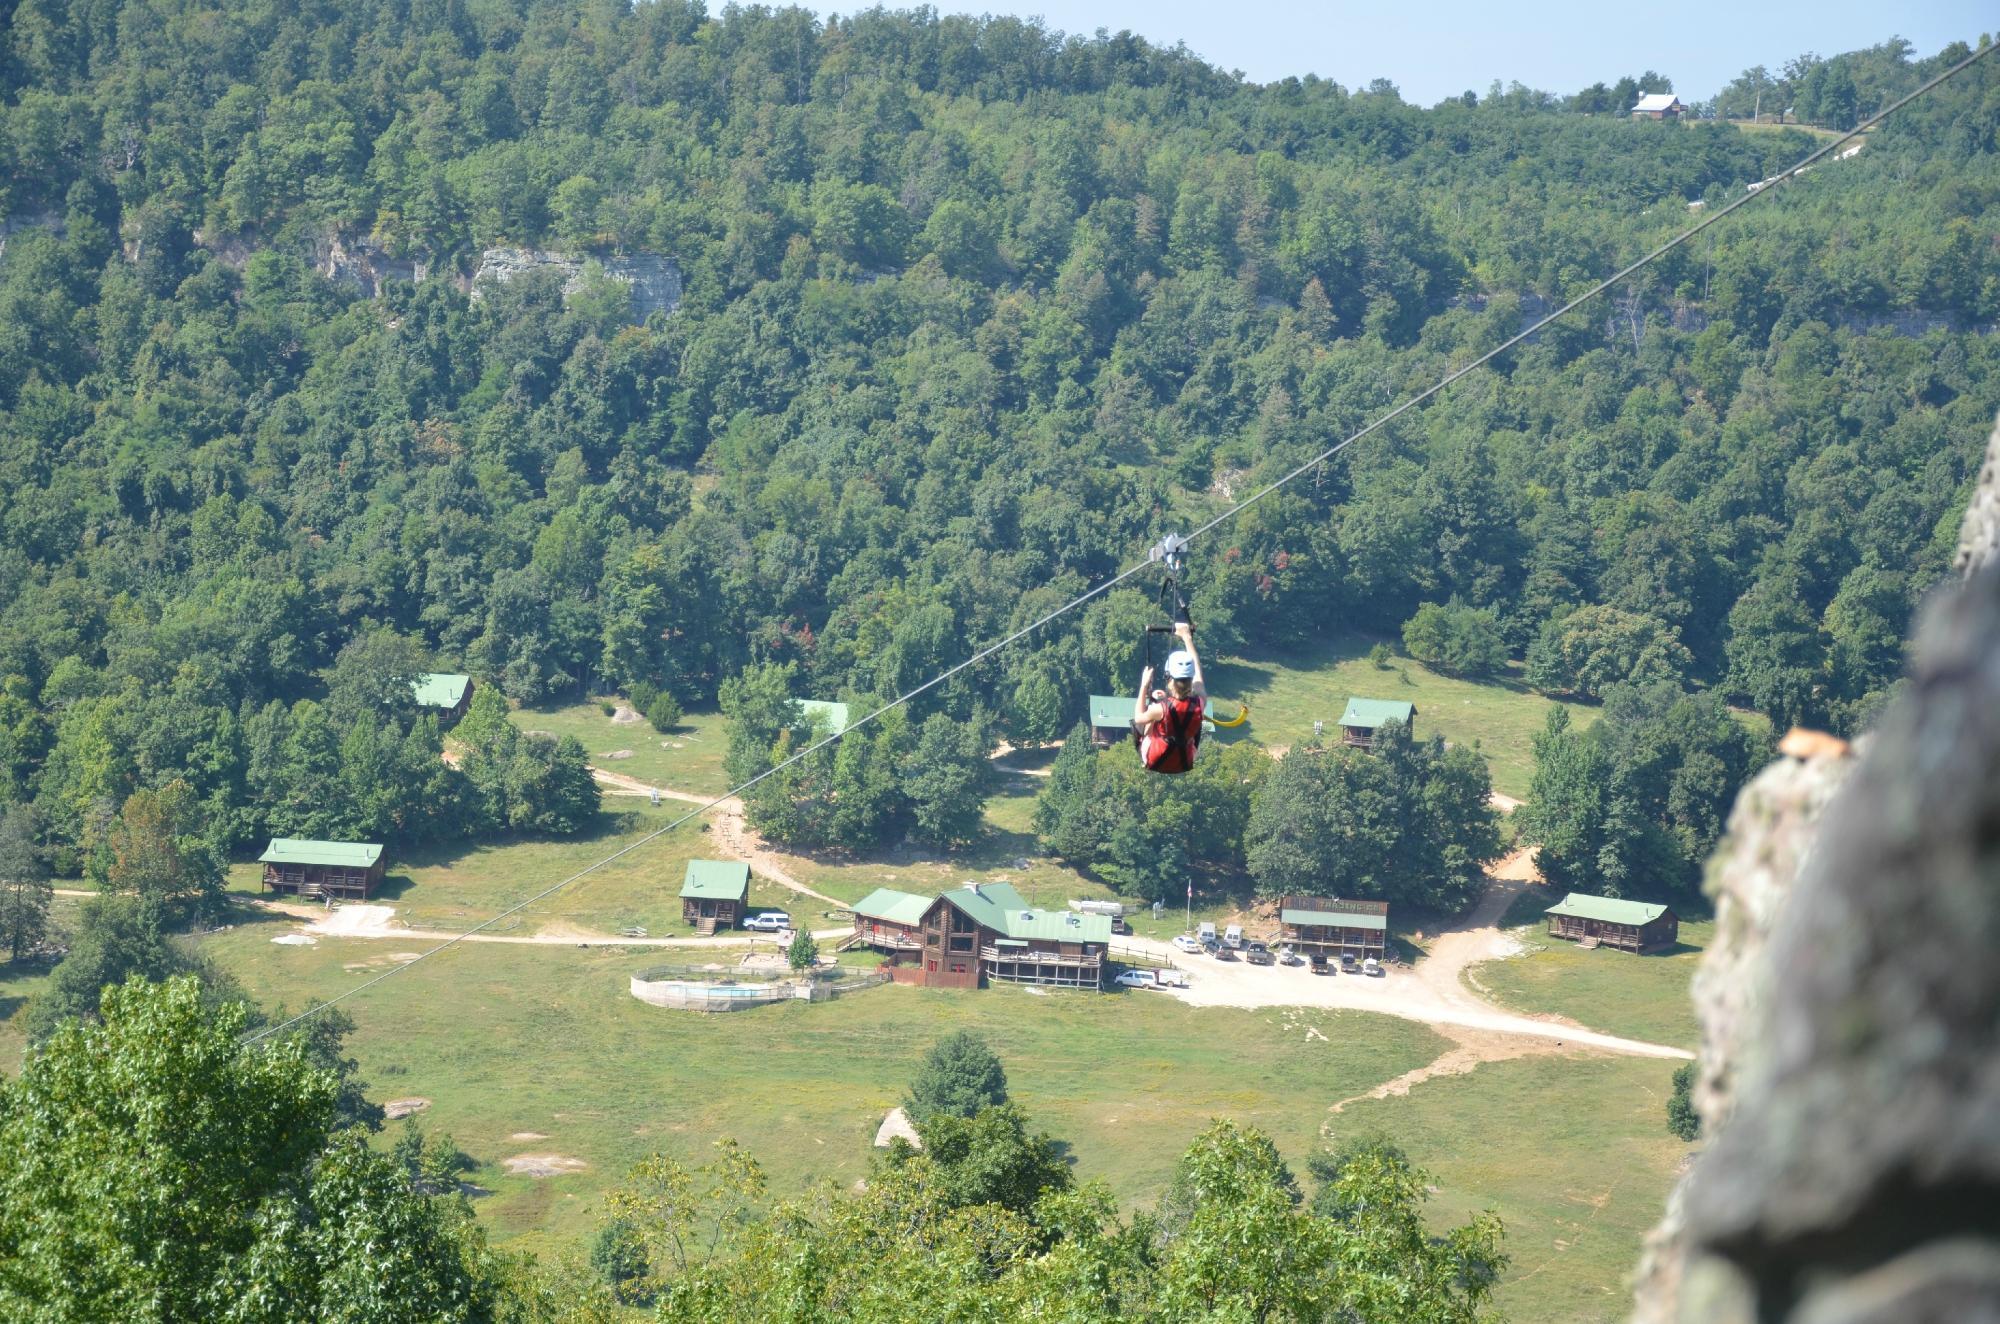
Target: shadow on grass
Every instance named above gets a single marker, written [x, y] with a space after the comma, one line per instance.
[11, 1003]
[606, 828]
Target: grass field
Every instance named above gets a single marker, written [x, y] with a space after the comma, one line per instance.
[460, 884]
[688, 758]
[1641, 997]
[540, 1050]
[1289, 691]
[1574, 1155]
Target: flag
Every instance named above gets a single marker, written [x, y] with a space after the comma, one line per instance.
[1190, 889]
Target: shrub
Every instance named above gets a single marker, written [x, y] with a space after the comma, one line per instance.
[1379, 655]
[606, 707]
[642, 694]
[1682, 1119]
[960, 1076]
[663, 712]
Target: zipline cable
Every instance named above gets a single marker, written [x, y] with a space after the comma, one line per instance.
[1769, 186]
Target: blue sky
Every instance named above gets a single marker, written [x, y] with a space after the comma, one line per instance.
[1437, 48]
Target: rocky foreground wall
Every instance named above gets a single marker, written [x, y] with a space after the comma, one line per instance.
[1851, 1012]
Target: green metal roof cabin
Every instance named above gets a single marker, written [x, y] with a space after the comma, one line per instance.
[1605, 921]
[1363, 717]
[350, 870]
[981, 931]
[714, 894]
[447, 691]
[890, 921]
[835, 714]
[1110, 719]
[1334, 926]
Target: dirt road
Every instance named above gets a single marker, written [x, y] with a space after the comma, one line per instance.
[730, 830]
[369, 921]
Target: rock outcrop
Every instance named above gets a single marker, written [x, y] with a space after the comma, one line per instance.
[655, 281]
[1851, 1016]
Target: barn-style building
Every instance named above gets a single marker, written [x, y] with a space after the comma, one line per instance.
[981, 932]
[446, 693]
[1603, 921]
[1364, 717]
[714, 894]
[1333, 927]
[350, 870]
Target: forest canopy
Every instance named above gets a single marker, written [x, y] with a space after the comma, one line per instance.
[967, 312]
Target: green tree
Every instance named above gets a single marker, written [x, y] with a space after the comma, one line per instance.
[157, 854]
[945, 777]
[959, 1077]
[1456, 639]
[158, 1127]
[25, 893]
[990, 1158]
[1682, 1119]
[1063, 818]
[1593, 648]
[803, 953]
[117, 938]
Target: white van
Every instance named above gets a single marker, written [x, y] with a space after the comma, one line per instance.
[1206, 932]
[1233, 936]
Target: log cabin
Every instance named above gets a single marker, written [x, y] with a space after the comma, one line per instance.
[1603, 921]
[714, 894]
[1364, 717]
[448, 694]
[350, 870]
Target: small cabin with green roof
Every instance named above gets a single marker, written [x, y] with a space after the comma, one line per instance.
[1364, 717]
[715, 893]
[1110, 719]
[350, 870]
[1603, 921]
[819, 712]
[446, 693]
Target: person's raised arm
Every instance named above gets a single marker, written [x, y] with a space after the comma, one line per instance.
[1144, 712]
[1185, 632]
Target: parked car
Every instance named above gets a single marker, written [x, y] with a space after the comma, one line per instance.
[1118, 925]
[1223, 952]
[1320, 965]
[1258, 954]
[1138, 979]
[1286, 956]
[1187, 942]
[768, 921]
[1347, 962]
[1371, 966]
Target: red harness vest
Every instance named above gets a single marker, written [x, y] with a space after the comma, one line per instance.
[1169, 744]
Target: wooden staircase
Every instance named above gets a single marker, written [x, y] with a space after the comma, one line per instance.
[705, 927]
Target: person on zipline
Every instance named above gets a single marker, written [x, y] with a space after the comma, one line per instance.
[1167, 723]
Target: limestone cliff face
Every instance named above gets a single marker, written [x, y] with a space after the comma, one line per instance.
[655, 281]
[1851, 1013]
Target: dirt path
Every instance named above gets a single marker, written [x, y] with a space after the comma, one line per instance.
[730, 830]
[370, 921]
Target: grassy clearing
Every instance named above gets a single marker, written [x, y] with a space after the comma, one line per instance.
[454, 886]
[688, 758]
[508, 1040]
[1641, 997]
[1574, 1155]
[1289, 691]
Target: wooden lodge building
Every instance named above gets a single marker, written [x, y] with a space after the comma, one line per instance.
[714, 894]
[1336, 928]
[350, 870]
[1602, 921]
[447, 694]
[1658, 106]
[1364, 717]
[981, 932]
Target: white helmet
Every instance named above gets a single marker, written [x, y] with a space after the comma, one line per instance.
[1180, 664]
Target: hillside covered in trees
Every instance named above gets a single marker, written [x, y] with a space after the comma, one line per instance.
[969, 313]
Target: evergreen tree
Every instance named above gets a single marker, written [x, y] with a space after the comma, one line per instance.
[959, 1077]
[25, 893]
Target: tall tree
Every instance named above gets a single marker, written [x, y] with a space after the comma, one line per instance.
[25, 893]
[959, 1077]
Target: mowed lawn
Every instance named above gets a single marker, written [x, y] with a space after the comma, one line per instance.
[540, 1050]
[1641, 997]
[454, 886]
[1572, 1152]
[1290, 690]
[688, 758]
